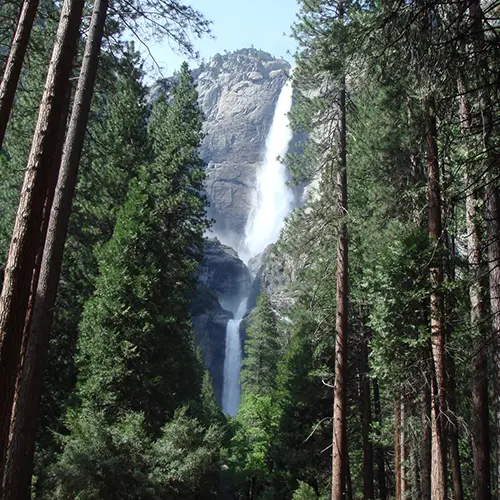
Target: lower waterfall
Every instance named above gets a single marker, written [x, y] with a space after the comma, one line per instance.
[232, 362]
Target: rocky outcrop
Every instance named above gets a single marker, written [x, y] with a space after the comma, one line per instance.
[275, 272]
[209, 324]
[237, 93]
[223, 272]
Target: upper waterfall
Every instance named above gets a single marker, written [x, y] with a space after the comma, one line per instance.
[273, 199]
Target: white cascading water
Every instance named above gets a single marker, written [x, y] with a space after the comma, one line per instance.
[274, 199]
[272, 204]
[232, 362]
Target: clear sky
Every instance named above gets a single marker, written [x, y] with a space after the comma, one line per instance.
[237, 24]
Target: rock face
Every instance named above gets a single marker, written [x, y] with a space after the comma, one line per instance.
[274, 273]
[224, 273]
[209, 325]
[238, 94]
[223, 279]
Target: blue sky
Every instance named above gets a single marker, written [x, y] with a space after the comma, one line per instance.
[237, 24]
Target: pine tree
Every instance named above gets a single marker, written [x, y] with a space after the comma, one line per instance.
[115, 148]
[324, 61]
[259, 367]
[26, 414]
[143, 359]
[478, 316]
[136, 356]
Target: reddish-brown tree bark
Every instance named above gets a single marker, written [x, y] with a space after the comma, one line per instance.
[478, 316]
[16, 482]
[27, 235]
[425, 445]
[400, 447]
[438, 388]
[379, 450]
[397, 448]
[366, 418]
[341, 324]
[20, 463]
[453, 438]
[14, 64]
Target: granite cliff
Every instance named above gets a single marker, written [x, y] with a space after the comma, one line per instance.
[238, 94]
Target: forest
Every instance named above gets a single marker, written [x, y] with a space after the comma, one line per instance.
[380, 379]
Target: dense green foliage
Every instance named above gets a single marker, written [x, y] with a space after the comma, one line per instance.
[140, 193]
[390, 54]
[135, 337]
[136, 357]
[128, 410]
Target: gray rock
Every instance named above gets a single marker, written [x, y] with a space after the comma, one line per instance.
[209, 324]
[224, 274]
[275, 275]
[238, 93]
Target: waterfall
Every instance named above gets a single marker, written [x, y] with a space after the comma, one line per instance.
[272, 204]
[274, 199]
[232, 362]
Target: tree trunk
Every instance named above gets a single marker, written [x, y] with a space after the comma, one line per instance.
[402, 444]
[480, 406]
[340, 397]
[15, 61]
[478, 317]
[493, 243]
[438, 400]
[480, 427]
[366, 420]
[456, 472]
[27, 237]
[400, 447]
[450, 304]
[425, 448]
[20, 463]
[29, 315]
[492, 214]
[16, 482]
[397, 447]
[253, 486]
[379, 450]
